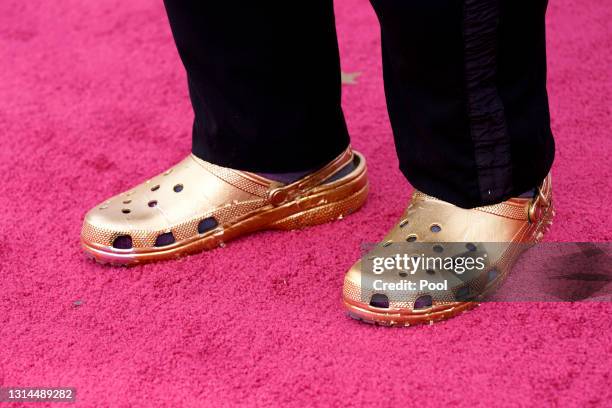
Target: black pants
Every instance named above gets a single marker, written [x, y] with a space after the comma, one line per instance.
[465, 82]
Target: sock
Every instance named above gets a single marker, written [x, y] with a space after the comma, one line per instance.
[528, 194]
[288, 178]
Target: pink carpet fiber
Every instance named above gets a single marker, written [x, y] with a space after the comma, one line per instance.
[93, 99]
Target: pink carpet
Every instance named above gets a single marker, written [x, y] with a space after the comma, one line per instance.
[93, 99]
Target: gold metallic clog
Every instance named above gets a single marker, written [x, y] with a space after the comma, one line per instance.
[500, 233]
[197, 205]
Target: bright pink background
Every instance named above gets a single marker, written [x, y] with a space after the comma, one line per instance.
[93, 100]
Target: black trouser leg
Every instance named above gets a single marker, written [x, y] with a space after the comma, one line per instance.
[264, 81]
[466, 91]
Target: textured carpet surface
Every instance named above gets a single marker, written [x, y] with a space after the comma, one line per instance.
[93, 100]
